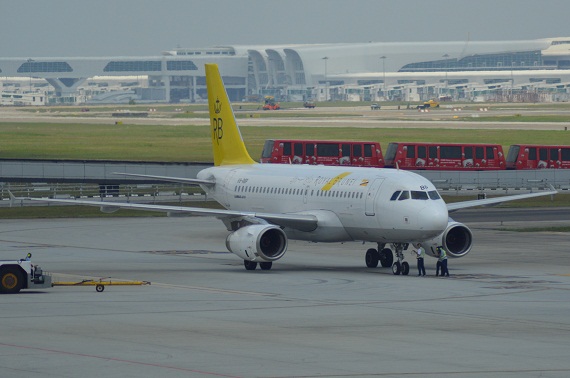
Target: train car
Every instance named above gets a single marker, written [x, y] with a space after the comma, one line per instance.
[532, 156]
[358, 154]
[445, 156]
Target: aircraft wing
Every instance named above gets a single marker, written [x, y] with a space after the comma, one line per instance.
[493, 201]
[180, 180]
[303, 222]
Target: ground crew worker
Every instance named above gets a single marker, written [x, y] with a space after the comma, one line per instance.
[29, 258]
[443, 262]
[420, 253]
[438, 264]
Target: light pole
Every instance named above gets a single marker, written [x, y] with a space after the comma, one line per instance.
[512, 81]
[29, 61]
[326, 83]
[445, 56]
[383, 75]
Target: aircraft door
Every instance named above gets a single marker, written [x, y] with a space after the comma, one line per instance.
[373, 191]
[229, 188]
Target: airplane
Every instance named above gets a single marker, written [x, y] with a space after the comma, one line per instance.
[265, 205]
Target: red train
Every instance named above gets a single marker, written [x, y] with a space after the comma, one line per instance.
[358, 154]
[532, 156]
[445, 156]
[416, 156]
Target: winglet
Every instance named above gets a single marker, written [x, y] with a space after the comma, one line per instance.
[229, 148]
[12, 198]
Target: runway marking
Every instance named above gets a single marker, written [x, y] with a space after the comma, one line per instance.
[116, 360]
[214, 290]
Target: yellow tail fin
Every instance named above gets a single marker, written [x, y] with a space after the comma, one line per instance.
[229, 148]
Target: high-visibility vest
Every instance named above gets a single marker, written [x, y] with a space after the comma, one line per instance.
[443, 255]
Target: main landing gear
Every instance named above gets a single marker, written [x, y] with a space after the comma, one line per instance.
[386, 259]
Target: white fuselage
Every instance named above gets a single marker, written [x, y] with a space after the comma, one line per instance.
[350, 203]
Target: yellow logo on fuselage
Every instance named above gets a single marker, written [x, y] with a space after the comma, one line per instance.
[334, 180]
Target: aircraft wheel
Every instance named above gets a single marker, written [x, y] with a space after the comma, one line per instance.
[265, 265]
[396, 268]
[386, 257]
[11, 280]
[99, 288]
[372, 257]
[249, 265]
[405, 268]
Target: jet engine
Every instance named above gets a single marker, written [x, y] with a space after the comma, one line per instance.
[457, 240]
[258, 242]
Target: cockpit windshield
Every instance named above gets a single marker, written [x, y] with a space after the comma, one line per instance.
[402, 195]
[416, 194]
[434, 195]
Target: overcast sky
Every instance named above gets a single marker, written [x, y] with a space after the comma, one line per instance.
[57, 28]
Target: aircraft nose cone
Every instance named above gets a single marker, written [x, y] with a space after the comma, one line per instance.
[434, 217]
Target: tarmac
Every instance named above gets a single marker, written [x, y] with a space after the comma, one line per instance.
[320, 312]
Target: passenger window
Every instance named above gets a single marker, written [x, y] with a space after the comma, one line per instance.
[532, 153]
[310, 149]
[479, 153]
[422, 152]
[410, 152]
[357, 150]
[433, 152]
[395, 195]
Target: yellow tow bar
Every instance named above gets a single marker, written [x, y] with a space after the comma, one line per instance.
[101, 283]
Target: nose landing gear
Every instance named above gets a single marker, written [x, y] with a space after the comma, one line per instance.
[385, 257]
[400, 266]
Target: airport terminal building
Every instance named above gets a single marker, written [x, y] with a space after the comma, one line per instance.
[531, 70]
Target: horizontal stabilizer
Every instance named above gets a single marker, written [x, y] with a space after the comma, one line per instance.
[180, 180]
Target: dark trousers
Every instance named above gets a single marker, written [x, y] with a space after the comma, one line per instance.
[444, 271]
[437, 267]
[421, 268]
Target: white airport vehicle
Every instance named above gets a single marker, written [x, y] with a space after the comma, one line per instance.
[21, 274]
[265, 205]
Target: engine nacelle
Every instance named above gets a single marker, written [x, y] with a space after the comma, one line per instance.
[457, 240]
[258, 242]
